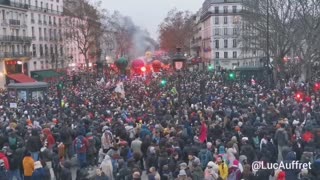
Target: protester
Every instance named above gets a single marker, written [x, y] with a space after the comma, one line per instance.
[176, 131]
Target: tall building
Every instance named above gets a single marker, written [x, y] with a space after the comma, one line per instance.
[14, 43]
[221, 35]
[45, 28]
[196, 41]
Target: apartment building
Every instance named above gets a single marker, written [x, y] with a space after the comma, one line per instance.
[14, 43]
[221, 24]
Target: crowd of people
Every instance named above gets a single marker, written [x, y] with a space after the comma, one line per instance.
[180, 130]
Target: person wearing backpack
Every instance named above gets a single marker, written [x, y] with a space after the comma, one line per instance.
[234, 171]
[205, 156]
[81, 145]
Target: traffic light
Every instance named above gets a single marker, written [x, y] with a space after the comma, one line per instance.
[210, 67]
[232, 75]
[59, 89]
[60, 85]
[163, 82]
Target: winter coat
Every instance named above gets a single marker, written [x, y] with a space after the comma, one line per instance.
[28, 166]
[34, 143]
[107, 168]
[5, 160]
[66, 173]
[281, 137]
[39, 174]
[197, 173]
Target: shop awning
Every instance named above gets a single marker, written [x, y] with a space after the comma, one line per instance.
[43, 75]
[21, 78]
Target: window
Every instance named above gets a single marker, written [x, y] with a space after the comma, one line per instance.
[39, 18]
[225, 20]
[46, 50]
[34, 50]
[225, 43]
[36, 3]
[4, 31]
[35, 64]
[234, 9]
[51, 7]
[225, 9]
[234, 54]
[45, 33]
[61, 50]
[32, 31]
[41, 5]
[4, 14]
[58, 8]
[55, 34]
[216, 20]
[225, 31]
[32, 18]
[217, 54]
[217, 44]
[50, 34]
[225, 55]
[235, 31]
[234, 43]
[216, 9]
[217, 31]
[41, 50]
[59, 22]
[40, 33]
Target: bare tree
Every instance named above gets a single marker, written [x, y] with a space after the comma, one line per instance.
[308, 25]
[177, 29]
[281, 25]
[83, 27]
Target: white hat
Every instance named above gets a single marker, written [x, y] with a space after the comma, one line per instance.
[37, 165]
[245, 139]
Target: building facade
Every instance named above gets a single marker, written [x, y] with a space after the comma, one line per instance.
[221, 35]
[14, 41]
[45, 28]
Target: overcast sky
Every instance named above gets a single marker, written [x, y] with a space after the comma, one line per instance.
[148, 14]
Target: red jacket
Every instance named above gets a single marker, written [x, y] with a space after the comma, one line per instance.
[5, 160]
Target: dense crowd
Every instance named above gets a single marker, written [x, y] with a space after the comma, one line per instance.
[174, 130]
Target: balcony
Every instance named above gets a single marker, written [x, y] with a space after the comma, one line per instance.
[33, 8]
[22, 39]
[50, 23]
[40, 22]
[45, 22]
[14, 22]
[41, 38]
[14, 54]
[32, 21]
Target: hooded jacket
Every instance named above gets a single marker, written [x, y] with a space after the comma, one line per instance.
[106, 167]
[5, 160]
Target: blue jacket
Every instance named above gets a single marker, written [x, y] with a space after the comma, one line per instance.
[39, 174]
